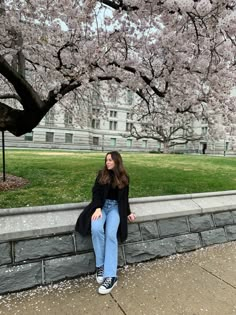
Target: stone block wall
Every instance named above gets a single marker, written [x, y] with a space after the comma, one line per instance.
[31, 261]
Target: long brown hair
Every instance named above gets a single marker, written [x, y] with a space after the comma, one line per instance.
[120, 178]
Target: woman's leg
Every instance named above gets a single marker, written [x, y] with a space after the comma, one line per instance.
[98, 239]
[111, 242]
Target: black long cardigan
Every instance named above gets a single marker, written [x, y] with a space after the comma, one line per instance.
[99, 194]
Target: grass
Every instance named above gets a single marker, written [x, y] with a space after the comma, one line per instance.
[63, 177]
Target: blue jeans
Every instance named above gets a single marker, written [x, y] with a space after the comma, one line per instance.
[104, 238]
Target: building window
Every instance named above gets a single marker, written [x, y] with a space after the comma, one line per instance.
[49, 136]
[113, 96]
[95, 112]
[129, 116]
[144, 127]
[129, 126]
[129, 143]
[144, 144]
[68, 119]
[113, 142]
[29, 136]
[50, 117]
[68, 138]
[95, 123]
[113, 113]
[130, 97]
[95, 141]
[113, 125]
[204, 131]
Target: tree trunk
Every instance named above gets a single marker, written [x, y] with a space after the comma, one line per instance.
[18, 122]
[166, 147]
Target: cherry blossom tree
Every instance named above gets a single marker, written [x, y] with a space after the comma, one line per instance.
[188, 63]
[49, 49]
[191, 96]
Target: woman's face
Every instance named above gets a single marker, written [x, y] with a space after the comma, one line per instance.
[109, 162]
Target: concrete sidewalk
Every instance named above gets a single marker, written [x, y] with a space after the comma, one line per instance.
[200, 282]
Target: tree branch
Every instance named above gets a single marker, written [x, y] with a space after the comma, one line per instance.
[10, 96]
[119, 5]
[29, 97]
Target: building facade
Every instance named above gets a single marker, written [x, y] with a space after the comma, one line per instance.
[104, 126]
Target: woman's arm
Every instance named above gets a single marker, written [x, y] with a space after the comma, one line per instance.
[97, 214]
[131, 217]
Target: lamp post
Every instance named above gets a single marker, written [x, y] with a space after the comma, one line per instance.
[3, 158]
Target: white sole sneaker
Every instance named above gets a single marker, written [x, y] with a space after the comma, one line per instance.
[103, 290]
[99, 280]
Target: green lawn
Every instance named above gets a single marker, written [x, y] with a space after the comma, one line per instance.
[63, 177]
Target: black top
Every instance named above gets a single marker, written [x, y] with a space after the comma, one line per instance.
[113, 191]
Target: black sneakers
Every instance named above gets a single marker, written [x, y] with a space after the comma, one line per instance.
[107, 285]
[99, 275]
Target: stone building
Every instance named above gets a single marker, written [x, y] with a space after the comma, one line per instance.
[102, 123]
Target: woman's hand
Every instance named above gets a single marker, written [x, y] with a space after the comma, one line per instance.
[131, 217]
[97, 214]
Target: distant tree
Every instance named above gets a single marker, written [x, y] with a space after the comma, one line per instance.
[167, 128]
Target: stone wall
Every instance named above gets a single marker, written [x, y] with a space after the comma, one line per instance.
[30, 257]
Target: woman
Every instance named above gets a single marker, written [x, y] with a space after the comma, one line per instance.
[106, 218]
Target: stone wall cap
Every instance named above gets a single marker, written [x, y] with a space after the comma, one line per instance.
[55, 219]
[81, 205]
